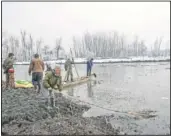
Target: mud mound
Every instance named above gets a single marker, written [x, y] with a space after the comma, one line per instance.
[25, 112]
[3, 85]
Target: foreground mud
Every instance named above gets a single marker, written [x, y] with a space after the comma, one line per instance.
[25, 112]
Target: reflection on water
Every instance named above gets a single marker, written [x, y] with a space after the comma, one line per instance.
[71, 91]
[90, 84]
[88, 89]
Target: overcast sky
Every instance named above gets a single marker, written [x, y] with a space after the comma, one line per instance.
[49, 20]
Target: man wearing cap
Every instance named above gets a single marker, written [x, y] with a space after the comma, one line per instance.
[68, 69]
[53, 80]
[89, 66]
[9, 71]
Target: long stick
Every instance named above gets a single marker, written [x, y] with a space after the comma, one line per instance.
[74, 63]
[66, 75]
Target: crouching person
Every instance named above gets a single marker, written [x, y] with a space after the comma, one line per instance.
[53, 81]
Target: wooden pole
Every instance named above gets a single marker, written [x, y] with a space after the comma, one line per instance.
[74, 63]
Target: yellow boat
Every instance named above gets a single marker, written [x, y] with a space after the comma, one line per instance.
[23, 84]
[77, 81]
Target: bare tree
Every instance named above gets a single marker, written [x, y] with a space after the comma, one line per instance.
[12, 44]
[30, 47]
[135, 45]
[114, 43]
[5, 45]
[16, 42]
[142, 48]
[4, 39]
[122, 46]
[24, 46]
[45, 49]
[157, 45]
[87, 41]
[58, 46]
[38, 46]
[75, 46]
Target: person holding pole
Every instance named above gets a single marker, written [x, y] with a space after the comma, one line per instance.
[68, 69]
[89, 66]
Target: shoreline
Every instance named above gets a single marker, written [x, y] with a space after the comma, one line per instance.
[105, 61]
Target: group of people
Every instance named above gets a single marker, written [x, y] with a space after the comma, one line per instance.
[52, 79]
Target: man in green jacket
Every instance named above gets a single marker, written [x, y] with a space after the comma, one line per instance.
[7, 65]
[68, 69]
[53, 80]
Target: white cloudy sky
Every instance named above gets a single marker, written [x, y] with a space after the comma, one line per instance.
[53, 19]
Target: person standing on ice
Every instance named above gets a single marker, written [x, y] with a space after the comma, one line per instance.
[9, 71]
[37, 68]
[89, 66]
[53, 80]
[68, 69]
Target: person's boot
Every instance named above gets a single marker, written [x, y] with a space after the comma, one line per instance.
[67, 80]
[7, 86]
[39, 88]
[35, 86]
[52, 102]
[38, 91]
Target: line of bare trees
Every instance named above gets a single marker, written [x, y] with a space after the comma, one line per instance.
[24, 47]
[103, 45]
[112, 45]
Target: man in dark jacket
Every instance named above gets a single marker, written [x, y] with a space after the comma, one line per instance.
[9, 70]
[89, 66]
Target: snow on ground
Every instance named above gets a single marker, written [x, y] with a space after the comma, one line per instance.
[83, 60]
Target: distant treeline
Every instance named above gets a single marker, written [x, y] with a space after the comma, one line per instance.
[114, 45]
[25, 46]
[103, 45]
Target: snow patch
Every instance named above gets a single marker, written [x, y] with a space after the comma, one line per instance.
[84, 60]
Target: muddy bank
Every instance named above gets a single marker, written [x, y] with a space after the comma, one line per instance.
[25, 112]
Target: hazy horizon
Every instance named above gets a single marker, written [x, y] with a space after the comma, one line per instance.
[50, 20]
